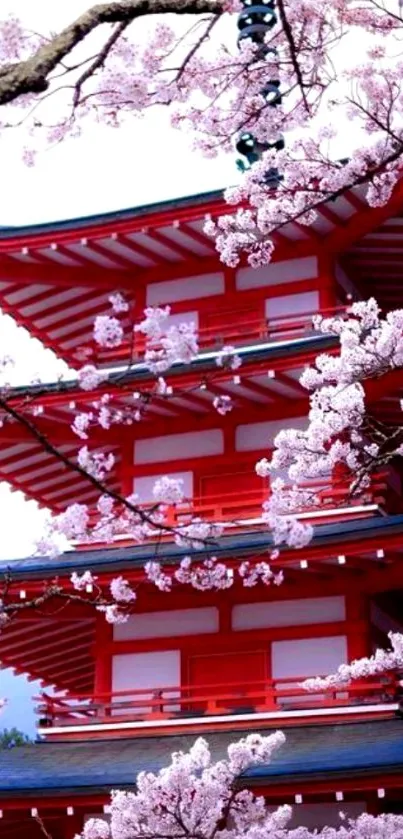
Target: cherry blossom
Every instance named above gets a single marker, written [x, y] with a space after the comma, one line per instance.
[118, 303]
[122, 591]
[163, 389]
[168, 490]
[339, 428]
[166, 344]
[223, 404]
[210, 574]
[97, 464]
[108, 331]
[382, 661]
[82, 581]
[228, 357]
[89, 377]
[152, 324]
[74, 522]
[216, 88]
[198, 533]
[251, 574]
[211, 803]
[113, 613]
[156, 575]
[81, 424]
[205, 576]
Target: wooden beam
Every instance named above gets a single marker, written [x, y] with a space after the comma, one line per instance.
[363, 222]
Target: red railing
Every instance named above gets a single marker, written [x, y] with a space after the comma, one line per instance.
[243, 509]
[263, 329]
[234, 699]
[240, 506]
[241, 332]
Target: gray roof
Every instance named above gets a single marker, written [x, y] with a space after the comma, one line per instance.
[267, 350]
[310, 752]
[237, 545]
[114, 215]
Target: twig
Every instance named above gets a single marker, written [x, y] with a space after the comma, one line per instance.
[99, 61]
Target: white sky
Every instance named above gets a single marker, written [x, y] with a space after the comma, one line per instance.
[106, 169]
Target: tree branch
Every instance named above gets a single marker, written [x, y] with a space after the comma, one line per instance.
[75, 467]
[32, 75]
[99, 60]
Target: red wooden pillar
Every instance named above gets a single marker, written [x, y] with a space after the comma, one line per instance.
[126, 465]
[358, 643]
[103, 656]
[327, 283]
[72, 825]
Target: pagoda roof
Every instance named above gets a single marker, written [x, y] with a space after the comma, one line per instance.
[310, 752]
[57, 277]
[372, 548]
[112, 216]
[29, 467]
[112, 559]
[269, 388]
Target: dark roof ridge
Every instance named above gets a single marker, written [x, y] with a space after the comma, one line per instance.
[111, 215]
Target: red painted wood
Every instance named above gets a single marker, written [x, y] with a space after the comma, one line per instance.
[213, 689]
[216, 482]
[362, 223]
[103, 657]
[220, 669]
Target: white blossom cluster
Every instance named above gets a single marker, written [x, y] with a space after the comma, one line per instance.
[337, 430]
[381, 662]
[197, 797]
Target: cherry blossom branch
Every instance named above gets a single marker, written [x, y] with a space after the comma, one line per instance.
[207, 799]
[293, 51]
[102, 488]
[382, 661]
[32, 75]
[98, 61]
[196, 46]
[42, 827]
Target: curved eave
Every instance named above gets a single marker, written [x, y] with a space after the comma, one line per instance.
[364, 534]
[56, 278]
[309, 753]
[29, 467]
[145, 212]
[205, 361]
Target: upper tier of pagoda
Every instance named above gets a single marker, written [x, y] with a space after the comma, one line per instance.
[55, 278]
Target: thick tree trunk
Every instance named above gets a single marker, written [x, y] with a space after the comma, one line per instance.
[32, 76]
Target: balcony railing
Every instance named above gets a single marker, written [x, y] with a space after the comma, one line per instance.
[243, 509]
[278, 328]
[242, 332]
[198, 701]
[245, 506]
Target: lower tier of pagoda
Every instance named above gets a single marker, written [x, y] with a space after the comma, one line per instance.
[321, 770]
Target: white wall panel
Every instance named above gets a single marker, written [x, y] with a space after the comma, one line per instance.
[143, 486]
[260, 435]
[188, 288]
[311, 610]
[149, 671]
[291, 304]
[308, 656]
[277, 273]
[176, 622]
[179, 446]
[182, 317]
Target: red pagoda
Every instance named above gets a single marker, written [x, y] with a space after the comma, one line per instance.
[118, 699]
